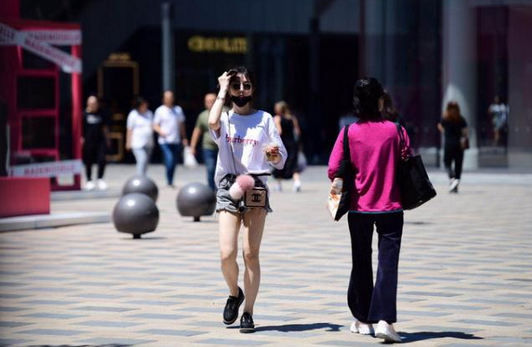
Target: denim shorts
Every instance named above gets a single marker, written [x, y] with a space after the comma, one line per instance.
[224, 201]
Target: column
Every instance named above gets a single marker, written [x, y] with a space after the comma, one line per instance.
[459, 78]
[168, 77]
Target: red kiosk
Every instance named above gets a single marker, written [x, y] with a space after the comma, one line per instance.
[44, 107]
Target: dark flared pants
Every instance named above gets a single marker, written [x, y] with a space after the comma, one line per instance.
[370, 303]
[453, 154]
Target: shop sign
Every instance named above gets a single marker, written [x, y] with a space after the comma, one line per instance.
[37, 42]
[228, 45]
[49, 169]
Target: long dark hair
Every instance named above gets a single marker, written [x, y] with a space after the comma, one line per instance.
[452, 112]
[366, 97]
[389, 112]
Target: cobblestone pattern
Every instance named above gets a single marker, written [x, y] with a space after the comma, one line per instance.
[465, 273]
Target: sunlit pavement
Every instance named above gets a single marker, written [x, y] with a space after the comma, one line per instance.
[465, 273]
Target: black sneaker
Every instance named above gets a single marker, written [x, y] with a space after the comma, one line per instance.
[232, 306]
[246, 323]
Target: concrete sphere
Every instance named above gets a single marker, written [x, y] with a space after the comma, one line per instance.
[143, 185]
[196, 200]
[135, 214]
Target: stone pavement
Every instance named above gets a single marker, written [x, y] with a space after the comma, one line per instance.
[465, 273]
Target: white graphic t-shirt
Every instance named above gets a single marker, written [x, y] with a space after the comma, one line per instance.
[140, 125]
[247, 135]
[169, 119]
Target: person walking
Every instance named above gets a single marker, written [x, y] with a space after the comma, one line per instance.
[139, 137]
[453, 126]
[498, 112]
[374, 145]
[95, 142]
[248, 143]
[288, 127]
[210, 148]
[169, 124]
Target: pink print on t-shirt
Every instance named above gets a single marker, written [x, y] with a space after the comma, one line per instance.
[238, 139]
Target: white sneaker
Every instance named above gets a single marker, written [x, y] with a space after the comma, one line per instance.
[297, 186]
[102, 185]
[90, 185]
[453, 187]
[361, 328]
[387, 332]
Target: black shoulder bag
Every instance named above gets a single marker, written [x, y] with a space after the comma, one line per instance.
[412, 178]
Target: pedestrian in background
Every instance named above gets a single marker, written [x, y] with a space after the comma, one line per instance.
[169, 124]
[453, 126]
[498, 112]
[209, 147]
[248, 145]
[288, 127]
[139, 137]
[95, 142]
[375, 148]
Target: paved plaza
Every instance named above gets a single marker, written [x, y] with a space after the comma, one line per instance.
[465, 273]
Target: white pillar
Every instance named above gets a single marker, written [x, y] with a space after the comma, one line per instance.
[459, 67]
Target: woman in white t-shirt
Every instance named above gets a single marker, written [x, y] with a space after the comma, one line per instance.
[140, 134]
[248, 143]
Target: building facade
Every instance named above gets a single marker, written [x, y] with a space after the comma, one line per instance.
[309, 53]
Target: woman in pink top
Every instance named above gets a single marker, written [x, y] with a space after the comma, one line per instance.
[374, 144]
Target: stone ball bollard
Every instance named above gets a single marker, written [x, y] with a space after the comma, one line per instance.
[196, 200]
[135, 214]
[143, 185]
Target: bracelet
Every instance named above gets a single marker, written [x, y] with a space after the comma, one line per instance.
[220, 98]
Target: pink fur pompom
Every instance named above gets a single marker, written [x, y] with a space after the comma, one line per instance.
[243, 183]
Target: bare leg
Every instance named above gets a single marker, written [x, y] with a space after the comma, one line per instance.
[229, 227]
[253, 229]
[297, 182]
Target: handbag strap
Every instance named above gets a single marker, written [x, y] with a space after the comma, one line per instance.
[230, 143]
[401, 139]
[347, 151]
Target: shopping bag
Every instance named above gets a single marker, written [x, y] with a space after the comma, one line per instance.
[189, 159]
[339, 199]
[413, 180]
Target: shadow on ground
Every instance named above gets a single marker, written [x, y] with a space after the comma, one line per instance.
[429, 335]
[300, 327]
[417, 223]
[110, 345]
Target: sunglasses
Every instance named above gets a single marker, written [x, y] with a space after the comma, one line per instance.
[236, 86]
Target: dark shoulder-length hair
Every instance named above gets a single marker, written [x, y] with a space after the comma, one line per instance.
[246, 72]
[366, 97]
[389, 112]
[139, 101]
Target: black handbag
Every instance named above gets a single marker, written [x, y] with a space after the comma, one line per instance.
[413, 180]
[347, 173]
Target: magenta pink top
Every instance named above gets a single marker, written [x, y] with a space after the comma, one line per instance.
[375, 153]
